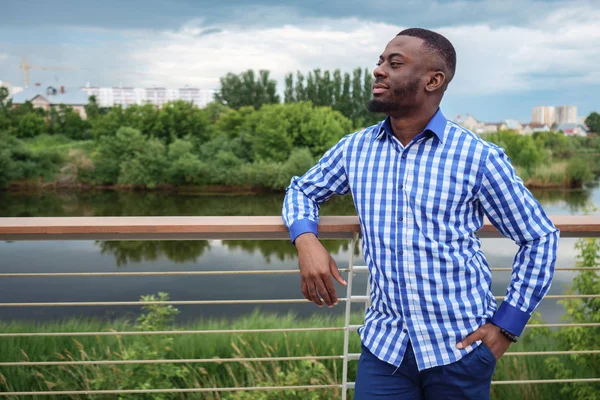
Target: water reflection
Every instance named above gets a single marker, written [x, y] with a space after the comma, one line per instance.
[184, 251]
[198, 255]
[283, 250]
[111, 203]
[179, 252]
[574, 200]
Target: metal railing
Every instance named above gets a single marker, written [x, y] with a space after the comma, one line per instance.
[254, 228]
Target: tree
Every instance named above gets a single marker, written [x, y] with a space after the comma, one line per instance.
[147, 168]
[288, 94]
[247, 89]
[31, 125]
[3, 95]
[593, 122]
[179, 119]
[68, 122]
[270, 139]
[114, 150]
[92, 109]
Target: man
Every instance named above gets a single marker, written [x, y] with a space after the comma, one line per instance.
[421, 185]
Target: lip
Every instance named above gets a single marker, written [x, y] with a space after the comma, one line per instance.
[379, 88]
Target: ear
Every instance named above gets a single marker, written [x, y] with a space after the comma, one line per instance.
[436, 80]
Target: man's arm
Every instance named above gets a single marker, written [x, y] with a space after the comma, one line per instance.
[513, 210]
[300, 214]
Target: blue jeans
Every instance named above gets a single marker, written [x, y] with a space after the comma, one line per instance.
[468, 378]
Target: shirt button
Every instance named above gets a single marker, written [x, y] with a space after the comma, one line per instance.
[408, 315]
[401, 186]
[401, 218]
[400, 252]
[402, 284]
[405, 330]
[404, 156]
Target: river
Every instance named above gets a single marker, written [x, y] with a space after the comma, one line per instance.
[103, 256]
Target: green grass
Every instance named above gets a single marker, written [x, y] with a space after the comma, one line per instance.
[59, 143]
[553, 175]
[227, 346]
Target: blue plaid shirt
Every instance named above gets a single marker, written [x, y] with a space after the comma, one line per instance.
[420, 207]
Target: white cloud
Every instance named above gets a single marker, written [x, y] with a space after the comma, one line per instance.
[557, 51]
[554, 51]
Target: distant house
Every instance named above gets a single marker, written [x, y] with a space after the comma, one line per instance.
[491, 127]
[468, 121]
[572, 129]
[52, 97]
[513, 125]
[528, 129]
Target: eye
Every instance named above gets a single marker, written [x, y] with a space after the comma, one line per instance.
[395, 64]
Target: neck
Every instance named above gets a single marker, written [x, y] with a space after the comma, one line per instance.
[406, 127]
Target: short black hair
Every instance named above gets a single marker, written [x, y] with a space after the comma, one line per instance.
[437, 44]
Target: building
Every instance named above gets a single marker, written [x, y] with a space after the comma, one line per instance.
[543, 115]
[572, 129]
[157, 96]
[528, 129]
[50, 97]
[468, 121]
[491, 127]
[513, 125]
[566, 115]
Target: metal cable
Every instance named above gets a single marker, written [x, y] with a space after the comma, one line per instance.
[164, 361]
[230, 302]
[247, 359]
[190, 390]
[255, 388]
[172, 332]
[205, 273]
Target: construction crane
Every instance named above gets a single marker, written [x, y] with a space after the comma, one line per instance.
[25, 66]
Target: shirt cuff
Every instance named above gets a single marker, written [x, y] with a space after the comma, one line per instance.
[510, 318]
[303, 226]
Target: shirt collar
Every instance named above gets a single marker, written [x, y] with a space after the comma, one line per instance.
[436, 125]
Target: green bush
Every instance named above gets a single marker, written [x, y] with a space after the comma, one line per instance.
[128, 376]
[31, 125]
[581, 310]
[113, 151]
[17, 162]
[147, 166]
[578, 171]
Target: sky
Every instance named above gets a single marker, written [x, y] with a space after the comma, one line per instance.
[511, 54]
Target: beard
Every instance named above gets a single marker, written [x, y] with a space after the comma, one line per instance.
[404, 99]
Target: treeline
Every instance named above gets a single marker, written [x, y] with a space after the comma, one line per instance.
[179, 144]
[551, 159]
[246, 137]
[344, 92]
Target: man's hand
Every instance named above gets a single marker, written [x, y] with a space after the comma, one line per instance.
[316, 268]
[491, 336]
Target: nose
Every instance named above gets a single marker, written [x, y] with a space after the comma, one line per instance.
[379, 72]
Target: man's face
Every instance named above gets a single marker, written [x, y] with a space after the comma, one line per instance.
[399, 77]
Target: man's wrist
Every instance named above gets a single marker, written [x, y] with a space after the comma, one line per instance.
[513, 338]
[304, 239]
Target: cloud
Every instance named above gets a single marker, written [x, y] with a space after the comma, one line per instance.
[546, 46]
[554, 52]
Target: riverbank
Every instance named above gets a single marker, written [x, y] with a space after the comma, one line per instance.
[37, 186]
[130, 161]
[207, 346]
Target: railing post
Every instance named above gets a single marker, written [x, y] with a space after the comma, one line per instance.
[347, 316]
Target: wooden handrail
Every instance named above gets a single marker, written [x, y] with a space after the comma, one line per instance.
[266, 227]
